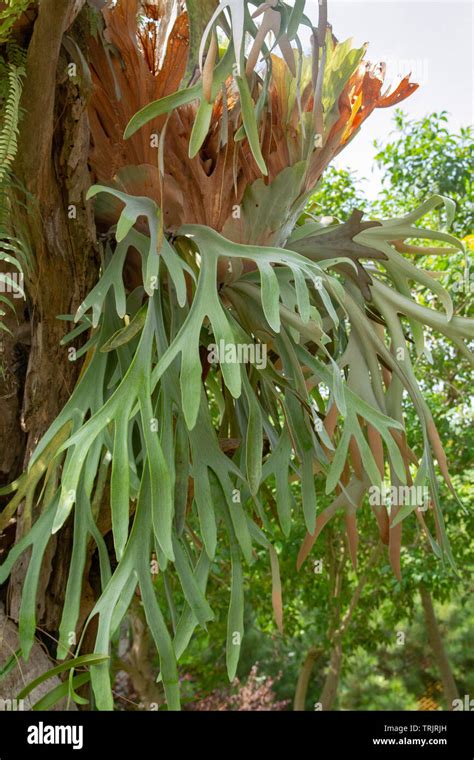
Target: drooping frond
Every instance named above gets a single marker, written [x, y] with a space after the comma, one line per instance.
[258, 347]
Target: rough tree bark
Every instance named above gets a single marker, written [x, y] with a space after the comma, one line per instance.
[14, 348]
[16, 680]
[51, 167]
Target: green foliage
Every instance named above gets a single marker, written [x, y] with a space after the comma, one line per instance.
[10, 120]
[379, 673]
[337, 194]
[9, 15]
[129, 394]
[425, 158]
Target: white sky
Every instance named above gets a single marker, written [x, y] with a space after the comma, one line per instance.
[432, 39]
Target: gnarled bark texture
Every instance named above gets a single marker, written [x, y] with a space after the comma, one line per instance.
[57, 223]
[18, 677]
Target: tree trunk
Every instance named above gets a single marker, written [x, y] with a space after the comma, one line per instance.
[58, 225]
[439, 652]
[303, 679]
[138, 661]
[14, 349]
[329, 691]
[14, 682]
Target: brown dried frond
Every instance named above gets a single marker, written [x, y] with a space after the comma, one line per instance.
[123, 83]
[129, 71]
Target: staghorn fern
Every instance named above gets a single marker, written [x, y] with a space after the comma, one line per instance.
[188, 447]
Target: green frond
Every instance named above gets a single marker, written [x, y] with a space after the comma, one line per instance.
[10, 121]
